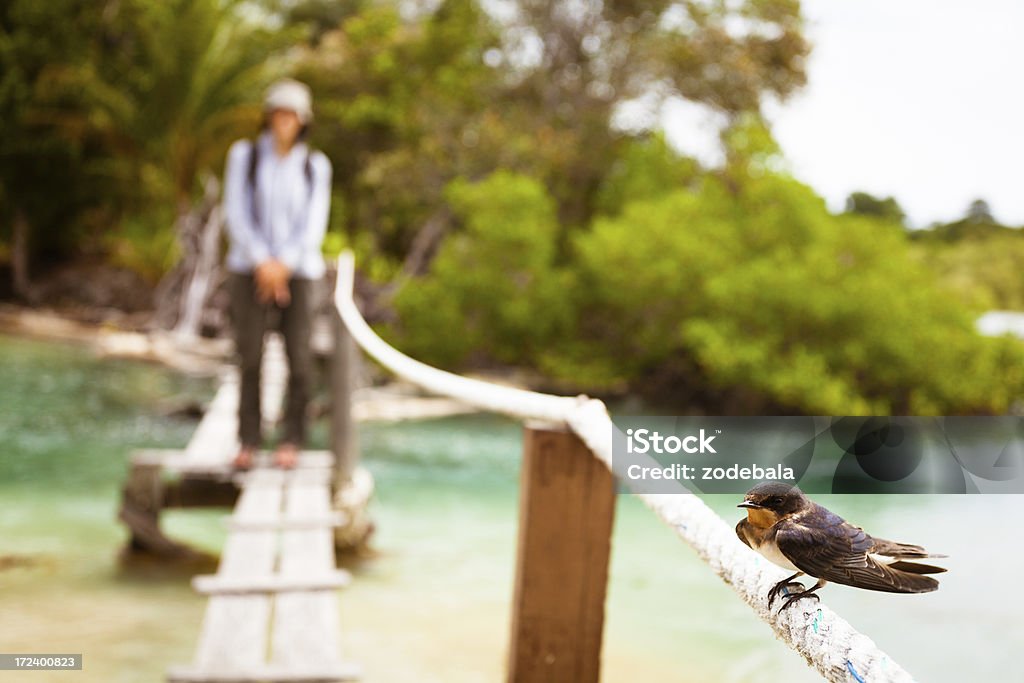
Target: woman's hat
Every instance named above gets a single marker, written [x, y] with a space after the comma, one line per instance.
[290, 94]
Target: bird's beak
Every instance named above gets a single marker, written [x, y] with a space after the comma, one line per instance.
[749, 504]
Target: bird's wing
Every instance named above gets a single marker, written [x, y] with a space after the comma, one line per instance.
[840, 553]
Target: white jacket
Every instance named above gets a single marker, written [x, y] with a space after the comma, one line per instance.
[288, 219]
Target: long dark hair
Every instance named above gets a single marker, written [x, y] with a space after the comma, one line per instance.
[265, 125]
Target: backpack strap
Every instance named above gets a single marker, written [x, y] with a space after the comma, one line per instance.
[254, 162]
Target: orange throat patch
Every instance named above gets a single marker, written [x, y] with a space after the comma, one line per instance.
[761, 519]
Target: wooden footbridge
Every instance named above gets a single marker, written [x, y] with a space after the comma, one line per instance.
[272, 613]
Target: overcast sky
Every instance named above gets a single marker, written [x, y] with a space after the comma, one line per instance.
[919, 99]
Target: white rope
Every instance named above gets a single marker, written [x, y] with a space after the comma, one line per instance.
[515, 402]
[826, 640]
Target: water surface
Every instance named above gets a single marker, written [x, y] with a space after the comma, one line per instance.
[434, 604]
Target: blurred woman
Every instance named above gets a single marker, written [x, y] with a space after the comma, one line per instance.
[276, 203]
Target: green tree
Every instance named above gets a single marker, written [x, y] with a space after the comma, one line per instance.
[124, 106]
[187, 80]
[404, 110]
[979, 212]
[885, 208]
[755, 298]
[982, 262]
[493, 291]
[415, 102]
[646, 167]
[977, 224]
[40, 171]
[572, 69]
[319, 17]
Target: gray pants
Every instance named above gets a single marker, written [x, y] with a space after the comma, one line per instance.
[251, 320]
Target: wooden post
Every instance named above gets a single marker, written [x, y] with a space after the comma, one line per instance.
[141, 500]
[344, 441]
[566, 511]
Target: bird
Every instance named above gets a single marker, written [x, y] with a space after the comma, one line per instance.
[794, 532]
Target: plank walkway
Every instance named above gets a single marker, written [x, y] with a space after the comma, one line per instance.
[272, 613]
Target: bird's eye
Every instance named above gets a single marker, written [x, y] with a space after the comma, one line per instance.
[775, 501]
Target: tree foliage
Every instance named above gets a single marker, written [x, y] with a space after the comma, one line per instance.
[494, 290]
[412, 104]
[979, 257]
[485, 177]
[41, 172]
[748, 297]
[123, 106]
[884, 208]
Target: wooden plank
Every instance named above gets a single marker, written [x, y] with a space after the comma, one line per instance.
[306, 551]
[310, 476]
[566, 510]
[176, 461]
[330, 520]
[305, 629]
[263, 496]
[233, 634]
[214, 584]
[305, 635]
[317, 476]
[233, 643]
[265, 673]
[216, 437]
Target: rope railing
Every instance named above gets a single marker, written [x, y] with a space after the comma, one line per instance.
[827, 641]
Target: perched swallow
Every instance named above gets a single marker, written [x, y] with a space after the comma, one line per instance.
[796, 533]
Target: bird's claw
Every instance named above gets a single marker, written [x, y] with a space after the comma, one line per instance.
[797, 596]
[783, 586]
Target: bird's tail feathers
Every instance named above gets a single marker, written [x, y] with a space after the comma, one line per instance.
[901, 551]
[917, 567]
[915, 583]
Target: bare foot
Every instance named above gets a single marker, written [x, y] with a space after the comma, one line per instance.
[243, 460]
[286, 456]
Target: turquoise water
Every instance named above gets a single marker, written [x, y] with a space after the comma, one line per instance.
[433, 605]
